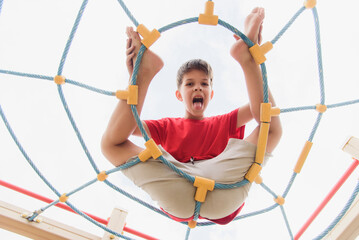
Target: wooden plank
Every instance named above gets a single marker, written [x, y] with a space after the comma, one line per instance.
[11, 220]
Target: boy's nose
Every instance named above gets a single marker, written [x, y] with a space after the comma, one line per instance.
[197, 89]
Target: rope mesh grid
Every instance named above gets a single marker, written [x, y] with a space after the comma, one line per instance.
[138, 120]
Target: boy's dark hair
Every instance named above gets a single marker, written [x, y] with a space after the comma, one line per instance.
[194, 64]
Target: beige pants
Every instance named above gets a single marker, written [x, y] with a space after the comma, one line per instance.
[175, 194]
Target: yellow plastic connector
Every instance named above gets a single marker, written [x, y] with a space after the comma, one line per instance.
[102, 176]
[320, 108]
[63, 198]
[131, 95]
[148, 37]
[59, 79]
[280, 200]
[192, 223]
[267, 112]
[152, 150]
[207, 17]
[203, 185]
[258, 179]
[253, 172]
[258, 52]
[262, 142]
[303, 156]
[310, 3]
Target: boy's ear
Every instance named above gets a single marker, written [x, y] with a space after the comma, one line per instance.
[212, 93]
[179, 96]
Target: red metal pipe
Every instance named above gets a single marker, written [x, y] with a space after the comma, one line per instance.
[341, 181]
[65, 207]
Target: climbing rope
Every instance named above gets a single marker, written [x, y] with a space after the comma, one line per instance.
[258, 52]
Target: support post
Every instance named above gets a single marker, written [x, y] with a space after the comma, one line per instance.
[116, 223]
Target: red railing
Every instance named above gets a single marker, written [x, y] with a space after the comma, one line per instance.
[65, 207]
[341, 181]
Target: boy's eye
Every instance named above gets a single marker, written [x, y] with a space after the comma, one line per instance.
[205, 84]
[189, 84]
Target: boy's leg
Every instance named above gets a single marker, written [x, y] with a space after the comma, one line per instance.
[115, 144]
[253, 77]
[253, 30]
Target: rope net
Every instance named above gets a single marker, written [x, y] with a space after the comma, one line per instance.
[59, 80]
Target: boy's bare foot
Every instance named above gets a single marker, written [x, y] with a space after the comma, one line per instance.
[253, 30]
[151, 63]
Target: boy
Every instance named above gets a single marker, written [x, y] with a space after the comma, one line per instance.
[194, 137]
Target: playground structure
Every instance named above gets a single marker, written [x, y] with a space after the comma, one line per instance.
[149, 37]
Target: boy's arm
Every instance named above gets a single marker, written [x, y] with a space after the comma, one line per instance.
[115, 144]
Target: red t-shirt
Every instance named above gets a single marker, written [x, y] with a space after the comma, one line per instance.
[198, 139]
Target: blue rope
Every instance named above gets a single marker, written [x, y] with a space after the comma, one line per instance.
[129, 14]
[178, 23]
[265, 83]
[79, 137]
[68, 195]
[30, 75]
[295, 109]
[285, 28]
[236, 31]
[319, 55]
[42, 77]
[137, 65]
[124, 166]
[72, 34]
[208, 223]
[343, 104]
[291, 181]
[187, 233]
[22, 150]
[314, 130]
[93, 89]
[269, 190]
[1, 2]
[197, 210]
[286, 222]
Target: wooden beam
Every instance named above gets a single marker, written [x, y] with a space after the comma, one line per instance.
[11, 220]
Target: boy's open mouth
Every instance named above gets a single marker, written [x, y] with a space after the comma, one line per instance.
[198, 102]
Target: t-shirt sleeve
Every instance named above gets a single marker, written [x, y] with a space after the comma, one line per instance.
[157, 129]
[235, 132]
